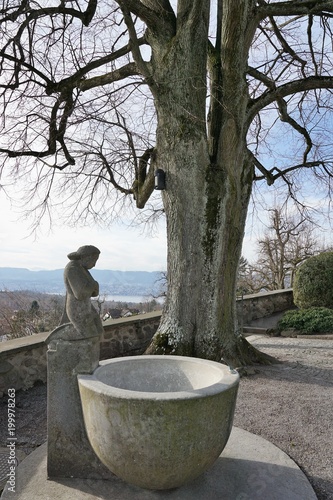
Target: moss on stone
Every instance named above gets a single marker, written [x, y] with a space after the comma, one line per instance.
[159, 344]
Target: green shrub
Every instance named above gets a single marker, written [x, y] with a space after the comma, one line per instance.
[313, 284]
[311, 320]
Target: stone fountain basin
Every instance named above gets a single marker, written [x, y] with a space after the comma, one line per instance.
[158, 421]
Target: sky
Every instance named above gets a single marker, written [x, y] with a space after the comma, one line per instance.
[122, 248]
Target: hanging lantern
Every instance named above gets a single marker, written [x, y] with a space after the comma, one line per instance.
[160, 179]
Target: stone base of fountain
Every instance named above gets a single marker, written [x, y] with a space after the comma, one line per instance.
[249, 467]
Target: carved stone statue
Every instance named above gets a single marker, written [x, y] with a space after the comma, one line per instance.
[73, 348]
[80, 287]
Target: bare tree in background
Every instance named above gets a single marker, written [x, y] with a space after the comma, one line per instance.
[24, 313]
[97, 95]
[288, 241]
[245, 282]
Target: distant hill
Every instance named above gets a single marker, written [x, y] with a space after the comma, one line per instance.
[111, 282]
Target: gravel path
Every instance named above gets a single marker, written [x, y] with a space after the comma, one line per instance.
[290, 404]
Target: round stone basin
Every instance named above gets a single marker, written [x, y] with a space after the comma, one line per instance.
[158, 421]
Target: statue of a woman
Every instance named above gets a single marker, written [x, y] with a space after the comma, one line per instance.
[80, 287]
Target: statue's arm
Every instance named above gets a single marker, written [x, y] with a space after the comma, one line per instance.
[95, 293]
[82, 284]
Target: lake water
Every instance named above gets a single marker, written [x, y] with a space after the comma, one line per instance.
[136, 299]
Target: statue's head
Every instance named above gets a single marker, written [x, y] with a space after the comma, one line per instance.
[87, 255]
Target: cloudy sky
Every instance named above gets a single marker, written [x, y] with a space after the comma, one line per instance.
[122, 247]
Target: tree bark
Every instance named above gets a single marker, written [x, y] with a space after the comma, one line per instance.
[208, 186]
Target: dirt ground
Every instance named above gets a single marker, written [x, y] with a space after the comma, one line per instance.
[290, 404]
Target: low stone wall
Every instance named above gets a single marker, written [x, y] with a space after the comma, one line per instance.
[23, 360]
[261, 305]
[128, 336]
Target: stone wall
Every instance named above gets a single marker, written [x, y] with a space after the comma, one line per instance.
[264, 304]
[128, 336]
[23, 360]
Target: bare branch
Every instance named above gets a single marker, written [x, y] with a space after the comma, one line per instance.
[286, 47]
[266, 174]
[285, 117]
[296, 8]
[142, 65]
[144, 181]
[158, 16]
[287, 89]
[77, 79]
[24, 8]
[105, 79]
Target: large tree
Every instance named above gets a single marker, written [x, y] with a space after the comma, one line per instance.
[102, 93]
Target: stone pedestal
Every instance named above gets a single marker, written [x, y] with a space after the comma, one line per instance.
[69, 453]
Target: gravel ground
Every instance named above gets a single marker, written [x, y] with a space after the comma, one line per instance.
[289, 403]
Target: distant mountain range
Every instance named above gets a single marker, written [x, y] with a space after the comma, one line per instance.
[111, 282]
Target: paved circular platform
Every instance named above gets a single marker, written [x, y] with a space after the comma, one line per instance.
[250, 468]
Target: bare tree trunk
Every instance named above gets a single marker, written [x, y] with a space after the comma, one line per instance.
[206, 210]
[208, 185]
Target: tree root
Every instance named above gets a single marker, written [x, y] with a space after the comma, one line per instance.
[245, 354]
[240, 355]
